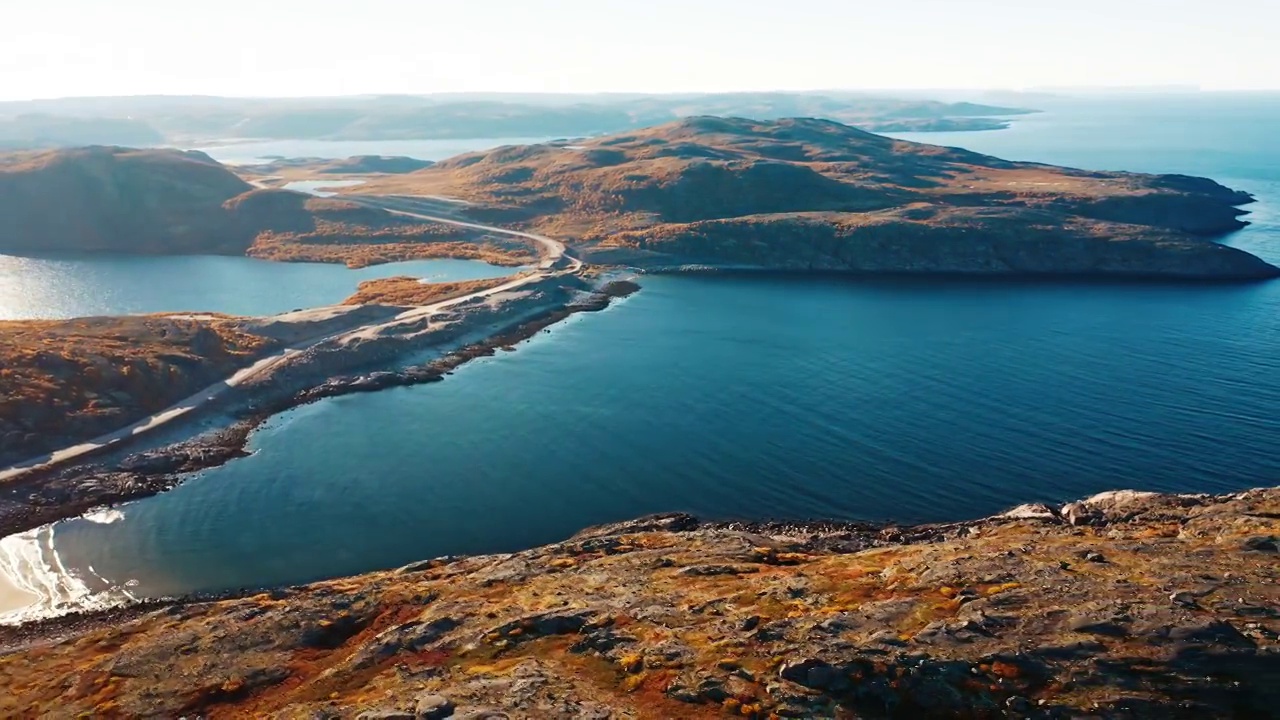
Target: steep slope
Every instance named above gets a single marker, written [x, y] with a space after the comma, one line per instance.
[1126, 605]
[817, 194]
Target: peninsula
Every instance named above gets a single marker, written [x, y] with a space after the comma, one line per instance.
[804, 194]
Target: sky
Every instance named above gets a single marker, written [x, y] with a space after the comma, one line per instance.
[60, 48]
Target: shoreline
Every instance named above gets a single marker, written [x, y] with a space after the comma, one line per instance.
[135, 470]
[938, 583]
[974, 278]
[840, 533]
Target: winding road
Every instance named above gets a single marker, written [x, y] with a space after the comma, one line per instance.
[555, 261]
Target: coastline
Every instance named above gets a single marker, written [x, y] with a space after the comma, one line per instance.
[141, 467]
[1040, 611]
[841, 536]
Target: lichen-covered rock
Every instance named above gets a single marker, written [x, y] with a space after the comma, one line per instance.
[669, 617]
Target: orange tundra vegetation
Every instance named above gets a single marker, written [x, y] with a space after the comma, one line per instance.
[336, 231]
[172, 202]
[808, 194]
[65, 381]
[408, 291]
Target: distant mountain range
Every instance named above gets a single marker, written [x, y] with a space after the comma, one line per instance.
[190, 120]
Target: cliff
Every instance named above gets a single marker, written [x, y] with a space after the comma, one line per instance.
[804, 193]
[1124, 605]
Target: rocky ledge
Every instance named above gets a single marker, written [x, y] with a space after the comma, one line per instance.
[1124, 605]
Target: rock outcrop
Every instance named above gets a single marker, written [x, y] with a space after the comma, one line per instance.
[1125, 605]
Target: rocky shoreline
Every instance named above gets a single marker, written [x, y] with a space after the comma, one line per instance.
[1122, 605]
[125, 473]
[678, 266]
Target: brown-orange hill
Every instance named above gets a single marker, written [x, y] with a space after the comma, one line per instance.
[816, 194]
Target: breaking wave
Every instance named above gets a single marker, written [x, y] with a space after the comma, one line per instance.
[29, 562]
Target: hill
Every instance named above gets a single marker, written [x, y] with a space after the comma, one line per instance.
[1125, 605]
[816, 194]
[118, 199]
[160, 201]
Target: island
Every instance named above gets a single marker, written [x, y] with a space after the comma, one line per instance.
[1122, 605]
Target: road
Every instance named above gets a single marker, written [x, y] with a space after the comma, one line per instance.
[555, 254]
[555, 250]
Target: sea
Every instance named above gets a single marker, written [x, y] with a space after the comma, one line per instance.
[757, 396]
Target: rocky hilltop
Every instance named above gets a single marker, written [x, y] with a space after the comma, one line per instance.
[1124, 605]
[816, 194]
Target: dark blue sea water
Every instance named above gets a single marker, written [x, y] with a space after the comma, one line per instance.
[768, 397]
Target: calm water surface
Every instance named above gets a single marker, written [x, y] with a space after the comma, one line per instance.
[66, 286]
[762, 397]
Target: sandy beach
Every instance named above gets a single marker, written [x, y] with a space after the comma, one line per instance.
[12, 597]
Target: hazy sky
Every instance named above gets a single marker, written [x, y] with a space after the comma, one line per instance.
[332, 47]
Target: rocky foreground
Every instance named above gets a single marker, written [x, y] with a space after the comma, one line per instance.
[1123, 605]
